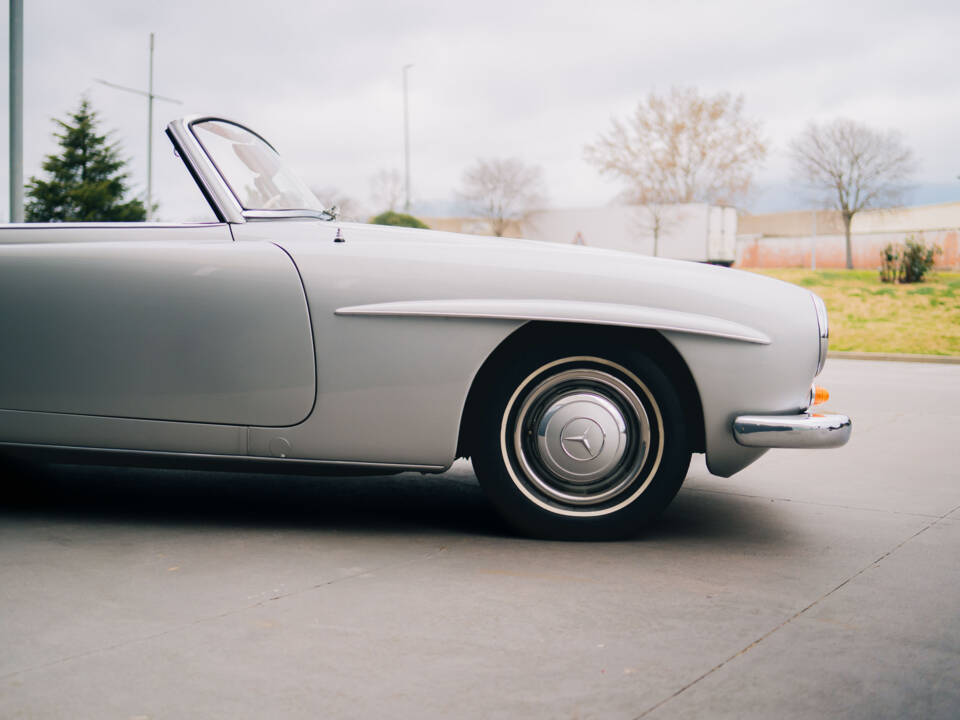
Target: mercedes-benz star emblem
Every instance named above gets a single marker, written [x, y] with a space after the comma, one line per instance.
[582, 438]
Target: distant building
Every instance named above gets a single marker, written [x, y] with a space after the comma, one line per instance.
[802, 238]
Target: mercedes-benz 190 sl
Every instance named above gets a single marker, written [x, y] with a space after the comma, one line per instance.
[578, 380]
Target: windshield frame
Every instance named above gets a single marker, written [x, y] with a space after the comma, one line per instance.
[212, 182]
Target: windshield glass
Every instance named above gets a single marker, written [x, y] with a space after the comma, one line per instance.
[252, 169]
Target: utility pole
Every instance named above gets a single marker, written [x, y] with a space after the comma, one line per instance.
[151, 96]
[406, 141]
[16, 111]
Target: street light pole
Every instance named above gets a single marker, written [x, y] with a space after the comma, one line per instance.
[16, 111]
[151, 96]
[406, 141]
[150, 136]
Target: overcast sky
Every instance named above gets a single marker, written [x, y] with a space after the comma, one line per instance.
[536, 80]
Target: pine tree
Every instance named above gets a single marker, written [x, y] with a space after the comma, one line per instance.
[86, 182]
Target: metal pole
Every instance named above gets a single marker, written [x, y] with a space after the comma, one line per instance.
[16, 111]
[406, 141]
[813, 245]
[150, 137]
[151, 96]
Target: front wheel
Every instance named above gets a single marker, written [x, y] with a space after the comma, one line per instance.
[582, 446]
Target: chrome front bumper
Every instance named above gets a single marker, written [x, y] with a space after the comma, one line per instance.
[792, 431]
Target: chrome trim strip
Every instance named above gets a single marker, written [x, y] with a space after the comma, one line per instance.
[212, 184]
[564, 311]
[288, 214]
[808, 430]
[253, 459]
[97, 225]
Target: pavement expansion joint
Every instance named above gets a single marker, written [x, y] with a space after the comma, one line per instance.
[799, 613]
[818, 504]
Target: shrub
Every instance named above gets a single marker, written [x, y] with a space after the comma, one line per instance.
[917, 259]
[889, 263]
[907, 263]
[401, 219]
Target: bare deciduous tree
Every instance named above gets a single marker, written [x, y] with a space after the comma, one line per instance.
[502, 190]
[386, 189]
[680, 148]
[857, 166]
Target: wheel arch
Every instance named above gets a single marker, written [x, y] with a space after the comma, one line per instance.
[650, 342]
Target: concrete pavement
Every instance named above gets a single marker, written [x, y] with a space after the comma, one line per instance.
[813, 584]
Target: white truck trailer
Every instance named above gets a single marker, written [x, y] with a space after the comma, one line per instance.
[698, 232]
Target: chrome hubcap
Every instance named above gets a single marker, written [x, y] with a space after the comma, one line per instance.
[581, 437]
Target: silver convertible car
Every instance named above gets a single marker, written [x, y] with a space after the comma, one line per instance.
[579, 381]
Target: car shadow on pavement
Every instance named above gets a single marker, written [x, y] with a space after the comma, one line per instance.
[718, 517]
[408, 502]
[394, 503]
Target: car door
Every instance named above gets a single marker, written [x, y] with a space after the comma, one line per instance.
[173, 323]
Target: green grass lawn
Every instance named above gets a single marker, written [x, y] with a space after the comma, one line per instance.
[869, 316]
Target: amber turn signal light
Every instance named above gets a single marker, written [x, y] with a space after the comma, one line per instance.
[820, 395]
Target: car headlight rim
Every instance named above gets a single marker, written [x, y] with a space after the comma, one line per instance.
[824, 330]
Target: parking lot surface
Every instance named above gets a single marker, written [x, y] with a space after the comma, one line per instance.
[813, 584]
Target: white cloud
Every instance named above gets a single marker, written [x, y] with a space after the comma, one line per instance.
[536, 80]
